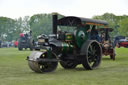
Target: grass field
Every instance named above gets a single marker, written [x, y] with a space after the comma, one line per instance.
[15, 71]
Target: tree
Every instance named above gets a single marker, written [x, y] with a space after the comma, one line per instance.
[21, 25]
[124, 27]
[113, 21]
[41, 24]
[6, 28]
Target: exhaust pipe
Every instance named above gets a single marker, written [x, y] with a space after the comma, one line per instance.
[106, 34]
[54, 23]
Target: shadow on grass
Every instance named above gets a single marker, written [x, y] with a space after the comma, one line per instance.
[76, 70]
[106, 58]
[23, 50]
[60, 71]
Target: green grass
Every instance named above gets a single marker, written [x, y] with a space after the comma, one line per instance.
[15, 71]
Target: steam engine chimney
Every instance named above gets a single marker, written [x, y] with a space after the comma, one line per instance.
[54, 22]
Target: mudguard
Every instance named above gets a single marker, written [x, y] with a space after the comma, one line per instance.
[35, 55]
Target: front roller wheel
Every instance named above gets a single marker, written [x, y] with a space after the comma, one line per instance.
[92, 54]
[42, 67]
[20, 48]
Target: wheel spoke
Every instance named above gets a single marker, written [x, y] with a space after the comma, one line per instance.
[89, 52]
[90, 48]
[94, 50]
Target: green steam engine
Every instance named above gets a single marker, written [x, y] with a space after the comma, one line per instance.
[78, 45]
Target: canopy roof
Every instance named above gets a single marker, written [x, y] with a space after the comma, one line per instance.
[76, 21]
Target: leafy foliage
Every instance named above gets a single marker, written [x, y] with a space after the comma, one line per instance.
[124, 27]
[42, 24]
[7, 28]
[114, 22]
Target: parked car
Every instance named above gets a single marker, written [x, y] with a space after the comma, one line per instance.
[121, 41]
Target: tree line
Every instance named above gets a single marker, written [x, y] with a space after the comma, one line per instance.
[118, 23]
[42, 23]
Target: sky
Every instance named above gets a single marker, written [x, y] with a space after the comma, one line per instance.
[82, 8]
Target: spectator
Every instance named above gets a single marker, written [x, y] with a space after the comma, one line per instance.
[7, 43]
[21, 35]
[15, 44]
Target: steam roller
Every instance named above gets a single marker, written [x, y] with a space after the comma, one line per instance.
[69, 48]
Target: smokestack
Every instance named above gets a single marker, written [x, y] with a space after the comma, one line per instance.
[106, 34]
[54, 22]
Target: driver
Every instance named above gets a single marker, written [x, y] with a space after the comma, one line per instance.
[93, 34]
[61, 35]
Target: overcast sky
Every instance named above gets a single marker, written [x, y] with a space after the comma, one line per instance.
[82, 8]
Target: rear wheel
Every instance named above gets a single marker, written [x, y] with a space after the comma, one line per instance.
[112, 56]
[92, 54]
[20, 47]
[31, 45]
